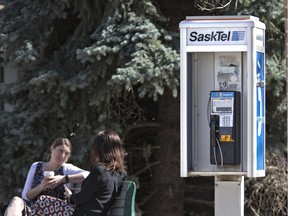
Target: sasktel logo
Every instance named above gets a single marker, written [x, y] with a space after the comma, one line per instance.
[210, 36]
[218, 36]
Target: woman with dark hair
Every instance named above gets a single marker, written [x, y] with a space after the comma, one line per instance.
[39, 183]
[102, 185]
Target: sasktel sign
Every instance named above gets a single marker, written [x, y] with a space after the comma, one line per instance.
[216, 36]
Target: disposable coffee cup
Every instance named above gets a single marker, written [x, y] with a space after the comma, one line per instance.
[48, 173]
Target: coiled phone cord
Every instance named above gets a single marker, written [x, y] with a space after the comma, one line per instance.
[221, 154]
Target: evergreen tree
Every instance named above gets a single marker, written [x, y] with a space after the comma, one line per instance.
[77, 61]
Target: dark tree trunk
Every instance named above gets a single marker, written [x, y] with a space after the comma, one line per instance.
[286, 53]
[168, 200]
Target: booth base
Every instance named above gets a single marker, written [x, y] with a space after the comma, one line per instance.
[229, 195]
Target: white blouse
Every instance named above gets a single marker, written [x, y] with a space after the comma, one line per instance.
[68, 169]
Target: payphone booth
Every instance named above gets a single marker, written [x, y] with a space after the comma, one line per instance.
[222, 60]
[222, 96]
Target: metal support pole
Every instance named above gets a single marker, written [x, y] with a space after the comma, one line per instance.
[229, 195]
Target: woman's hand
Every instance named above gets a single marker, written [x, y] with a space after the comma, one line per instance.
[46, 183]
[67, 192]
[52, 181]
[57, 180]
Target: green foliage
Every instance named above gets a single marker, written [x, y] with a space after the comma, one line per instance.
[157, 70]
[129, 35]
[276, 107]
[75, 59]
[26, 28]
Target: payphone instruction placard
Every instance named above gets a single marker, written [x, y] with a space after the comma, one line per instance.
[228, 71]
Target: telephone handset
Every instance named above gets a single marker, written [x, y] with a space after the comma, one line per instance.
[225, 127]
[214, 129]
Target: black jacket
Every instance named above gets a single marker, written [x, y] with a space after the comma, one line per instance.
[98, 191]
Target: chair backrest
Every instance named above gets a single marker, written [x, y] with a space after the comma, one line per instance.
[124, 203]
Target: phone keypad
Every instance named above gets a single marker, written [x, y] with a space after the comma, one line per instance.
[226, 121]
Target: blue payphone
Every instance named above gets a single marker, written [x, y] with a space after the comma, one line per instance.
[225, 127]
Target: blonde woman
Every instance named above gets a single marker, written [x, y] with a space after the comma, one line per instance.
[36, 184]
